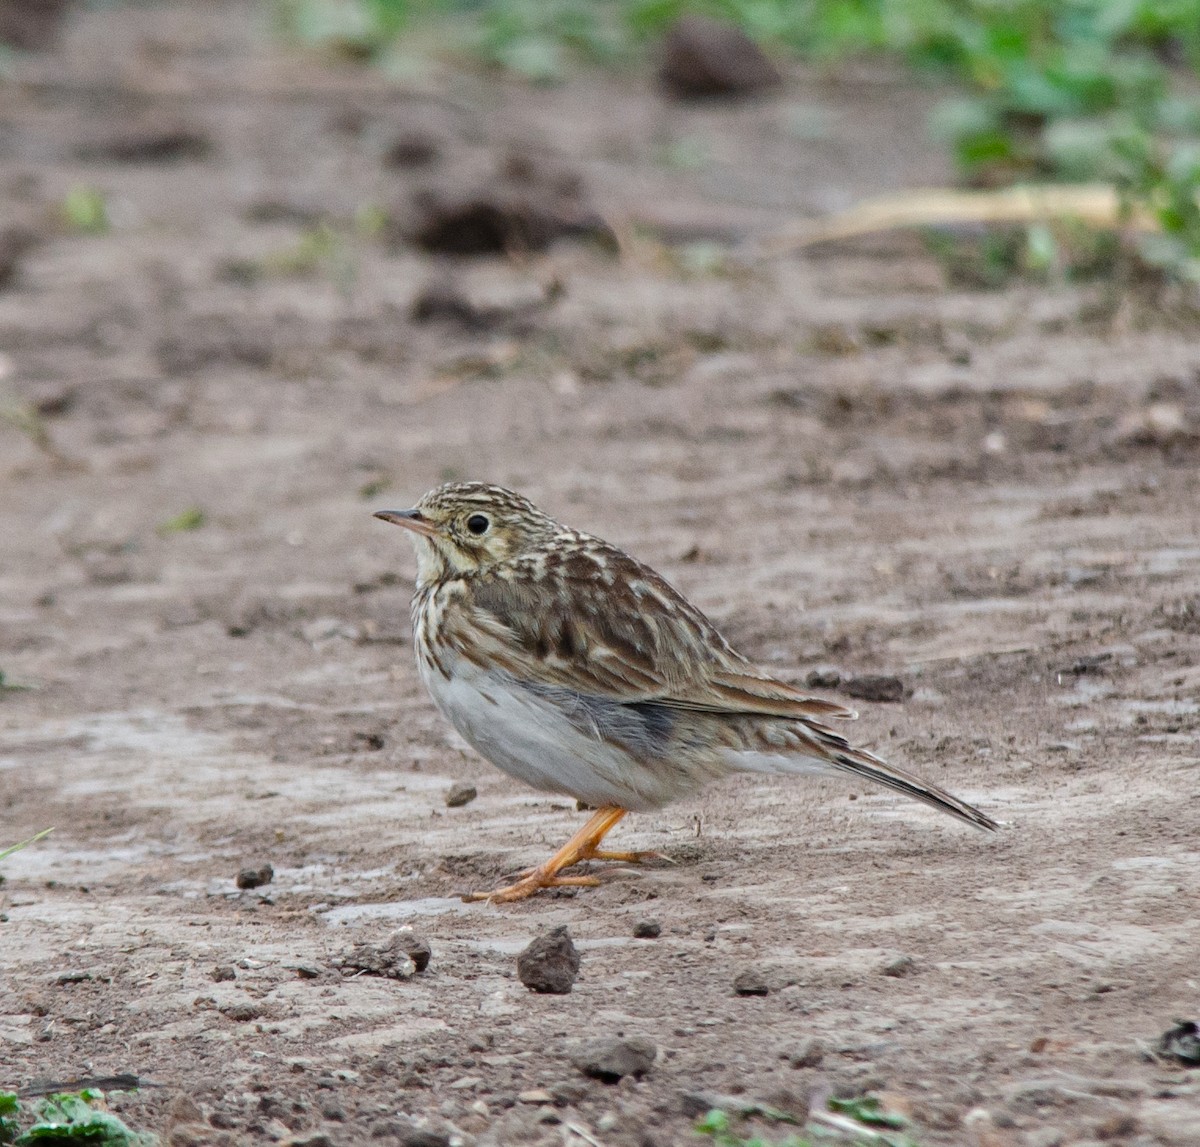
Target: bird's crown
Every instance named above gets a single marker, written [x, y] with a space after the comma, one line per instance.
[464, 527]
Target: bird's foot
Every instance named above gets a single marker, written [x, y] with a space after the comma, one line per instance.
[627, 857]
[582, 846]
[530, 883]
[603, 854]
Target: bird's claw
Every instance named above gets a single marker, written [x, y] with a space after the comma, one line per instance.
[533, 882]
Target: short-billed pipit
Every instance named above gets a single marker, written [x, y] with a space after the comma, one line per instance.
[573, 667]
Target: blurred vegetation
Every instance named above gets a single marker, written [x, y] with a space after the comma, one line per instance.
[85, 209]
[1052, 90]
[64, 1119]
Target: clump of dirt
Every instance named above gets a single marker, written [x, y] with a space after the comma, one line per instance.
[524, 205]
[550, 963]
[703, 58]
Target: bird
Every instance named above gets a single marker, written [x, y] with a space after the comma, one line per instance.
[577, 669]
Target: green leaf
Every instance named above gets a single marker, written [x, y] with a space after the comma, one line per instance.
[86, 209]
[6, 686]
[191, 519]
[8, 852]
[66, 1119]
[866, 1109]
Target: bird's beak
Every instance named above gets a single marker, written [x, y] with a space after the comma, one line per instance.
[409, 519]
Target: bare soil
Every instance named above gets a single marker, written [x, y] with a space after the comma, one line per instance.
[849, 465]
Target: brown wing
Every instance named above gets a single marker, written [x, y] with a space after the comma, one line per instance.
[586, 616]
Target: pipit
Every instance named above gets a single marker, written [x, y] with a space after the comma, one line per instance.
[578, 670]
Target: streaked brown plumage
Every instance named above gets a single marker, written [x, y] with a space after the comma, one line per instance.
[575, 668]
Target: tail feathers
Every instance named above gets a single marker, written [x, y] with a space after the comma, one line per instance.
[810, 747]
[860, 763]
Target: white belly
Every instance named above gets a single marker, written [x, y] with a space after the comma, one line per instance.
[531, 738]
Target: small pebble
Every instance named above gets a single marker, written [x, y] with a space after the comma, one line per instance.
[823, 679]
[459, 794]
[610, 1060]
[222, 973]
[751, 982]
[647, 929]
[900, 966]
[417, 947]
[392, 958]
[536, 1095]
[875, 688]
[807, 1053]
[255, 877]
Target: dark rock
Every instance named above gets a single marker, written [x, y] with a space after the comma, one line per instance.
[391, 958]
[1182, 1042]
[31, 25]
[751, 982]
[823, 679]
[875, 688]
[550, 963]
[151, 141]
[222, 973]
[15, 242]
[242, 1013]
[459, 794]
[704, 58]
[647, 929]
[255, 877]
[610, 1060]
[412, 149]
[900, 966]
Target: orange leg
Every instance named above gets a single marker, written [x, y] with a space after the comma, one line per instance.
[582, 846]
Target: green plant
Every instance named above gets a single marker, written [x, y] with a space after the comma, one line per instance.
[861, 1120]
[65, 1119]
[6, 686]
[1072, 90]
[9, 1107]
[24, 417]
[86, 209]
[359, 29]
[718, 1125]
[8, 852]
[1075, 89]
[190, 519]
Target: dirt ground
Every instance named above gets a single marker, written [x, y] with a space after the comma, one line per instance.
[847, 464]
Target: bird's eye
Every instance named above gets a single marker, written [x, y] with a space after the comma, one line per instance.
[478, 524]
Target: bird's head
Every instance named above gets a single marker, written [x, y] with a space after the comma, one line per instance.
[468, 526]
